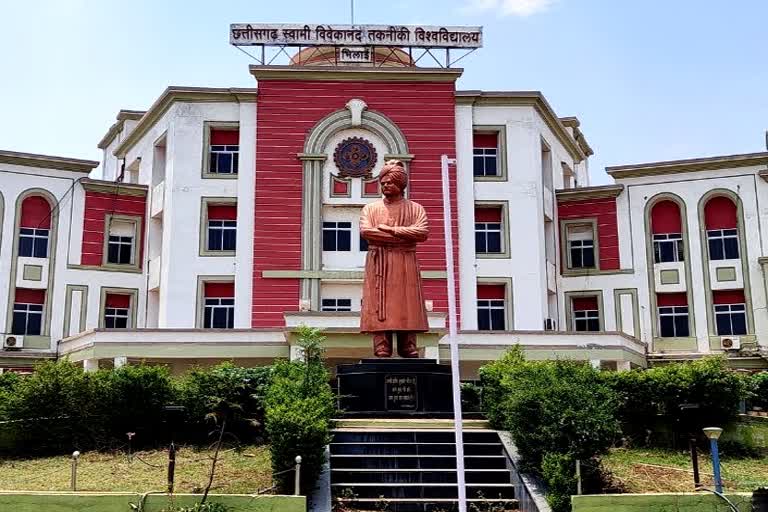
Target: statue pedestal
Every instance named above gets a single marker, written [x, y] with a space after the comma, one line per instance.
[394, 388]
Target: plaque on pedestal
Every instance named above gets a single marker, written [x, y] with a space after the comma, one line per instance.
[395, 388]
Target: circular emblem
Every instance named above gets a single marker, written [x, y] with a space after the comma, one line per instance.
[355, 157]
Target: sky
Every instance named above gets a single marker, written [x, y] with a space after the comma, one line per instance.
[649, 80]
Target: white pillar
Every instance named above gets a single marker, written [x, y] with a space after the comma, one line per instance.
[296, 353]
[432, 352]
[595, 363]
[120, 361]
[623, 366]
[90, 365]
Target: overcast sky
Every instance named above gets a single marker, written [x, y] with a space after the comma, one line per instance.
[650, 80]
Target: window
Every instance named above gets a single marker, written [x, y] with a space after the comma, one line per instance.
[668, 248]
[723, 244]
[117, 308]
[486, 154]
[34, 227]
[337, 236]
[28, 312]
[586, 314]
[336, 305]
[27, 319]
[219, 305]
[731, 319]
[222, 227]
[363, 244]
[223, 151]
[491, 309]
[581, 246]
[120, 242]
[673, 321]
[488, 234]
[33, 242]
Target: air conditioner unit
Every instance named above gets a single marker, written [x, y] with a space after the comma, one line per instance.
[730, 343]
[13, 341]
[550, 324]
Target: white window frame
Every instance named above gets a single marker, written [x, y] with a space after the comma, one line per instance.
[720, 234]
[488, 306]
[333, 304]
[214, 150]
[581, 237]
[484, 227]
[36, 235]
[215, 303]
[117, 314]
[584, 316]
[666, 238]
[223, 225]
[120, 241]
[24, 307]
[487, 155]
[336, 228]
[676, 311]
[728, 310]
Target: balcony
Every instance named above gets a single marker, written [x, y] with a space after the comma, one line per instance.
[551, 277]
[157, 201]
[155, 265]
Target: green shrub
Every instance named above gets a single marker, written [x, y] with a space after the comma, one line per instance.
[131, 399]
[557, 471]
[659, 399]
[471, 397]
[760, 389]
[299, 406]
[233, 392]
[560, 407]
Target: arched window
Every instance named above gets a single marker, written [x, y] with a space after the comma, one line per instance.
[667, 231]
[34, 227]
[721, 220]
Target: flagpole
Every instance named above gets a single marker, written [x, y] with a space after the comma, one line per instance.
[452, 333]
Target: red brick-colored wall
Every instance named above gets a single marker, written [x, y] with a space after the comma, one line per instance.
[287, 111]
[604, 210]
[97, 206]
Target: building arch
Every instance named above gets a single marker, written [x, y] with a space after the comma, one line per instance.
[355, 115]
[53, 219]
[651, 262]
[704, 201]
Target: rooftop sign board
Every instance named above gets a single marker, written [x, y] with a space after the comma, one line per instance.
[416, 36]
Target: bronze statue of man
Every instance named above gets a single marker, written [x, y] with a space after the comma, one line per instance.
[393, 299]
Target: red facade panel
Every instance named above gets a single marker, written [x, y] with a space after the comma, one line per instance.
[665, 218]
[490, 291]
[728, 297]
[671, 299]
[35, 213]
[97, 206]
[287, 111]
[118, 300]
[225, 137]
[485, 140]
[222, 212]
[29, 296]
[219, 290]
[604, 211]
[720, 213]
[584, 303]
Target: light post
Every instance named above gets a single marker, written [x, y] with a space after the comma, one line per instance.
[713, 433]
[452, 330]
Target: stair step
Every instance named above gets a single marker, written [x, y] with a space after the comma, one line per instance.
[380, 462]
[414, 448]
[426, 491]
[424, 505]
[473, 476]
[404, 436]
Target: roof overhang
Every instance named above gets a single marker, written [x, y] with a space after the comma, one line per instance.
[117, 127]
[573, 123]
[47, 161]
[583, 193]
[181, 94]
[405, 74]
[686, 166]
[112, 187]
[533, 99]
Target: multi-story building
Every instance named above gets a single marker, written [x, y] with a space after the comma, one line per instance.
[223, 219]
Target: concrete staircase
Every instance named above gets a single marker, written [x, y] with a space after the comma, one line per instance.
[382, 466]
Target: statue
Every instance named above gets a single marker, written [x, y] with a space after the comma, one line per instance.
[393, 299]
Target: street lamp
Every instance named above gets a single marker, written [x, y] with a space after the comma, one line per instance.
[713, 433]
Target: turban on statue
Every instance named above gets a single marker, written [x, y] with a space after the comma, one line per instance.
[395, 170]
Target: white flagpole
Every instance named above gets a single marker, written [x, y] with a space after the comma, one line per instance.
[452, 331]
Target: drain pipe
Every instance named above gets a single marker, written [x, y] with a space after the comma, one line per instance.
[452, 333]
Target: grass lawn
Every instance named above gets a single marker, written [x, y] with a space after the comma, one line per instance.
[658, 470]
[243, 471]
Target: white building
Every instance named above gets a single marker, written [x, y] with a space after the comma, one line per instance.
[226, 218]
